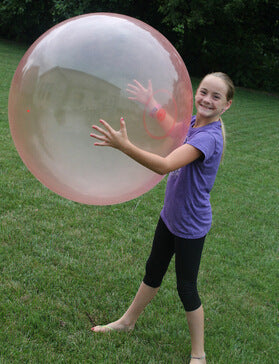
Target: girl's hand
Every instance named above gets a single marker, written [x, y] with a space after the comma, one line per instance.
[141, 94]
[110, 137]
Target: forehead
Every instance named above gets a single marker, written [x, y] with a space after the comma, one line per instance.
[214, 84]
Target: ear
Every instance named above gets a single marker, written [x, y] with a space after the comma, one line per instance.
[228, 105]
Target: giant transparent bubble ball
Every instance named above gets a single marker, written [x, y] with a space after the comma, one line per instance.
[77, 73]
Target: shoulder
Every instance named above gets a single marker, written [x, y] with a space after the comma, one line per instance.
[207, 139]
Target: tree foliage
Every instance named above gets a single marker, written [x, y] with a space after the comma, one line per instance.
[239, 37]
[25, 19]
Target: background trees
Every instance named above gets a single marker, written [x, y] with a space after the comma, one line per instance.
[240, 37]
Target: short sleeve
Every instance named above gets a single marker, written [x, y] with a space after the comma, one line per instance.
[204, 142]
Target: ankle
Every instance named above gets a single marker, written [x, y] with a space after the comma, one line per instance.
[197, 357]
[125, 321]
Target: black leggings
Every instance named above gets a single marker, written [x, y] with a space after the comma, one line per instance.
[187, 261]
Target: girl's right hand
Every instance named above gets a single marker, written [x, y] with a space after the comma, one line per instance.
[110, 137]
[141, 94]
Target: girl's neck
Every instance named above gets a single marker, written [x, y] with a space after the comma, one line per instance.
[199, 122]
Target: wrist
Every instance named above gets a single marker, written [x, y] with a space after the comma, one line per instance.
[158, 112]
[156, 107]
[151, 103]
[126, 147]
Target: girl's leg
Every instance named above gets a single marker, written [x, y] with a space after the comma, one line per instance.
[144, 295]
[196, 327]
[156, 267]
[127, 322]
[188, 255]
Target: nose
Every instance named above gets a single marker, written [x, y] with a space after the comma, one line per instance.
[206, 99]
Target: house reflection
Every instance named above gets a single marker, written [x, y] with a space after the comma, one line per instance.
[65, 90]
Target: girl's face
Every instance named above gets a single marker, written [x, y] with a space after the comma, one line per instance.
[211, 99]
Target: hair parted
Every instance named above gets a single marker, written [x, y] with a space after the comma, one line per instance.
[228, 82]
[229, 96]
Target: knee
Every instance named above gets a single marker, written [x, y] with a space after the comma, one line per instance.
[153, 274]
[188, 294]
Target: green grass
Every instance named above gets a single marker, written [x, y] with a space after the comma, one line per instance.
[66, 266]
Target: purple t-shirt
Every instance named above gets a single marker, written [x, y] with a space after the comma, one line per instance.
[187, 210]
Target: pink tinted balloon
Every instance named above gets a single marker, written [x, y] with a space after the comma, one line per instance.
[76, 73]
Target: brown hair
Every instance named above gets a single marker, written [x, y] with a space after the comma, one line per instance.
[228, 82]
[229, 96]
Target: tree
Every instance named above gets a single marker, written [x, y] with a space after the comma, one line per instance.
[239, 37]
[25, 20]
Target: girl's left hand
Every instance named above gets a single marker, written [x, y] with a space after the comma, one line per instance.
[141, 94]
[110, 137]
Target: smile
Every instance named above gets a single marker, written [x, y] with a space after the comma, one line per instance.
[206, 107]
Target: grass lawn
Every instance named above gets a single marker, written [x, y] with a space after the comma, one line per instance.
[66, 266]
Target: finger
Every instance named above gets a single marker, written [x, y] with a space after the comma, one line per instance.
[100, 130]
[103, 144]
[132, 86]
[123, 128]
[133, 92]
[139, 85]
[99, 137]
[106, 125]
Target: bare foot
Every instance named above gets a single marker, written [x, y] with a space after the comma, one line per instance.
[113, 326]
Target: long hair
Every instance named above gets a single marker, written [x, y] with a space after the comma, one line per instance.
[229, 96]
[224, 139]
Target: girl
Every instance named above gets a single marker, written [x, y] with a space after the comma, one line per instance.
[186, 215]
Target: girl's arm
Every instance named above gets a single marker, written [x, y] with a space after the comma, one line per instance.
[145, 96]
[178, 158]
